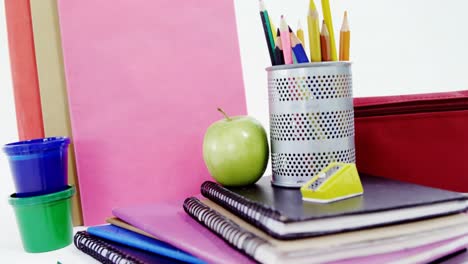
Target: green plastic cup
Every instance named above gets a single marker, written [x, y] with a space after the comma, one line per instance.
[44, 221]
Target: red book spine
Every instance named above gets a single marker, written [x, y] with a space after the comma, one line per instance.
[24, 69]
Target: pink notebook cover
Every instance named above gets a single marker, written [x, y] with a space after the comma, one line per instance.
[169, 223]
[144, 80]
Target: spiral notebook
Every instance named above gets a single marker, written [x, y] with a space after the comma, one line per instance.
[444, 236]
[141, 242]
[283, 214]
[106, 251]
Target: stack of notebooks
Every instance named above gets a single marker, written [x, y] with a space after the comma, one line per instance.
[393, 222]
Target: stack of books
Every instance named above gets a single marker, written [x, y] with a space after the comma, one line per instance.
[393, 222]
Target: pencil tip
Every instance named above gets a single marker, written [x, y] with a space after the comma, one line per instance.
[262, 5]
[345, 25]
[299, 25]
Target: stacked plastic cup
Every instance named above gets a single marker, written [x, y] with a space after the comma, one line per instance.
[42, 202]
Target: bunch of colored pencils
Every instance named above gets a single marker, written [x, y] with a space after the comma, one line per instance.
[288, 47]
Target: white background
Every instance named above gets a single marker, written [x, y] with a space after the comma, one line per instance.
[398, 47]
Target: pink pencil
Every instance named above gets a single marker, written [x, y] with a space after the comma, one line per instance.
[286, 41]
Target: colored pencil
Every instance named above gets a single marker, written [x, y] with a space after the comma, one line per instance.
[279, 58]
[273, 28]
[300, 32]
[298, 49]
[314, 35]
[267, 30]
[325, 43]
[345, 37]
[328, 21]
[286, 41]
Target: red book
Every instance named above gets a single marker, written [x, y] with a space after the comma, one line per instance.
[24, 69]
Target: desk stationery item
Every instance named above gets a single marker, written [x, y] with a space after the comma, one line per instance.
[169, 223]
[327, 17]
[286, 41]
[141, 242]
[395, 242]
[279, 57]
[52, 86]
[44, 221]
[23, 69]
[423, 136]
[336, 182]
[38, 166]
[283, 214]
[118, 222]
[314, 35]
[325, 43]
[300, 33]
[311, 119]
[268, 30]
[345, 36]
[273, 28]
[298, 49]
[137, 121]
[106, 251]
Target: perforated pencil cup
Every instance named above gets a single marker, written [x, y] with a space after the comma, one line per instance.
[39, 166]
[311, 119]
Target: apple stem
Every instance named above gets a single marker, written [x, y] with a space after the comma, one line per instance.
[225, 115]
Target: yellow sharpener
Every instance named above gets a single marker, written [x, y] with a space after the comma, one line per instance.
[338, 181]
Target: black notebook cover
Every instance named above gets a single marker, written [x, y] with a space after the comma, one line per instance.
[286, 205]
[106, 251]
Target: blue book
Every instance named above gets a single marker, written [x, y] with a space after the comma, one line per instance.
[122, 236]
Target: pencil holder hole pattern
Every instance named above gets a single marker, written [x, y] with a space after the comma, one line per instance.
[311, 87]
[311, 119]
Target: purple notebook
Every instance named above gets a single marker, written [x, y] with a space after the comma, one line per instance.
[169, 223]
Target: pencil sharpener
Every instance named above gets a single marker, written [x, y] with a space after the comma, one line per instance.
[338, 181]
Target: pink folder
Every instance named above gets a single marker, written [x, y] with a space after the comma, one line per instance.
[169, 223]
[144, 80]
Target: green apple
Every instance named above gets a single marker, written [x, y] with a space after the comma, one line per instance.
[235, 150]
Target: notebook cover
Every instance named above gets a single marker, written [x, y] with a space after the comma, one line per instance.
[113, 248]
[143, 87]
[132, 239]
[286, 204]
[118, 222]
[423, 147]
[23, 69]
[423, 254]
[389, 241]
[171, 224]
[326, 242]
[52, 86]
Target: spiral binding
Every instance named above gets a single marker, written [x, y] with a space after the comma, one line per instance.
[102, 251]
[253, 212]
[223, 227]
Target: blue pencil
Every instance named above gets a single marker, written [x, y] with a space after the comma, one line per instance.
[298, 49]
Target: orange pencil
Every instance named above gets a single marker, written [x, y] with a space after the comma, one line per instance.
[345, 36]
[325, 43]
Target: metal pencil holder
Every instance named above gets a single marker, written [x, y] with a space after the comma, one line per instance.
[311, 119]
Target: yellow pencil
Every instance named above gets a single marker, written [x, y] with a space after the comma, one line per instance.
[312, 5]
[345, 37]
[328, 21]
[314, 35]
[273, 28]
[325, 43]
[300, 33]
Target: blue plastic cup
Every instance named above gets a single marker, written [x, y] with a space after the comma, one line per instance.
[39, 166]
